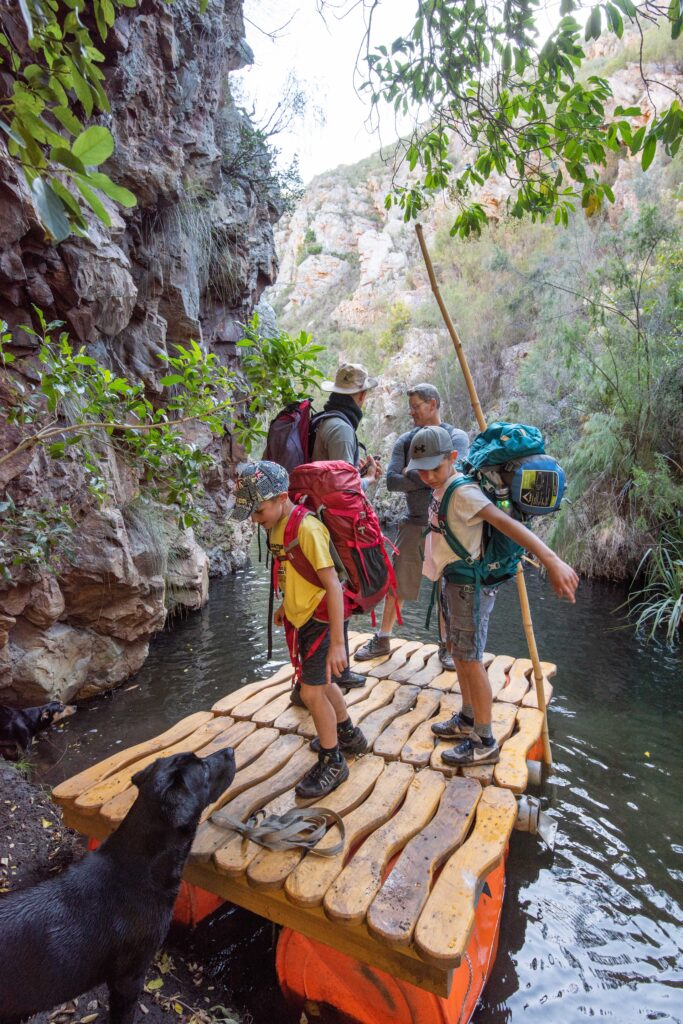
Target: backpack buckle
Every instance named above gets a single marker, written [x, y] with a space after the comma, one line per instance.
[493, 565]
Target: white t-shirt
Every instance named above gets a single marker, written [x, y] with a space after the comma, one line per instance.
[466, 503]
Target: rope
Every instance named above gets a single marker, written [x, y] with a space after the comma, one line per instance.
[299, 827]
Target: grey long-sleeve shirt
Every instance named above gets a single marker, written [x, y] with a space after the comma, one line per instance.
[335, 438]
[417, 494]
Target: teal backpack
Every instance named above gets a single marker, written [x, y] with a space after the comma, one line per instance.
[508, 462]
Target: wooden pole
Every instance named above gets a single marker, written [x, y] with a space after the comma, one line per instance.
[521, 583]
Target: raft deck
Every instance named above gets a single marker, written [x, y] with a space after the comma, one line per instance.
[443, 829]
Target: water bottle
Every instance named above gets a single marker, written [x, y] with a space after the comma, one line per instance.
[503, 500]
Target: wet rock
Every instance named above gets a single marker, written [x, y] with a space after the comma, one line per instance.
[45, 603]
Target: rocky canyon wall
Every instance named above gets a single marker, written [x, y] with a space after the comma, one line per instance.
[190, 261]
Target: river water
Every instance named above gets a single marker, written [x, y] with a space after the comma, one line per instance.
[593, 929]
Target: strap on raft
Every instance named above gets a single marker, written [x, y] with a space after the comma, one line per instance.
[300, 827]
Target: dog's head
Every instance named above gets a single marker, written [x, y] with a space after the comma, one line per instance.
[178, 788]
[55, 711]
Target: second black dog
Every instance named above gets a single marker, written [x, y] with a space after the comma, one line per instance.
[104, 918]
[18, 726]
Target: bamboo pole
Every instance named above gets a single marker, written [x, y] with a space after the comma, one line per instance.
[521, 583]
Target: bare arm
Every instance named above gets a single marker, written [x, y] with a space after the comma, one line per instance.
[336, 655]
[563, 579]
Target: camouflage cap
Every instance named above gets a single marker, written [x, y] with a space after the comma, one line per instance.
[256, 483]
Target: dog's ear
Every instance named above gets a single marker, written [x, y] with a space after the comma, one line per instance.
[184, 795]
[142, 775]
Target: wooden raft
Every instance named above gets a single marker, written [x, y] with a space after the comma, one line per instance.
[420, 839]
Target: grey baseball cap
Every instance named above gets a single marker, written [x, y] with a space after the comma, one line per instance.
[256, 483]
[349, 380]
[429, 447]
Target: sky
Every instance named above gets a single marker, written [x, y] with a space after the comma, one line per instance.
[322, 54]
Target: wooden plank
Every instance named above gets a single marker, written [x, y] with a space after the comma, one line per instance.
[232, 736]
[278, 751]
[67, 792]
[446, 682]
[420, 745]
[392, 740]
[365, 666]
[270, 868]
[273, 709]
[115, 809]
[350, 895]
[426, 676]
[530, 700]
[234, 853]
[307, 884]
[225, 705]
[511, 772]
[357, 640]
[404, 700]
[497, 672]
[444, 926]
[487, 658]
[502, 725]
[291, 719]
[397, 660]
[394, 912]
[518, 682]
[415, 664]
[246, 708]
[92, 799]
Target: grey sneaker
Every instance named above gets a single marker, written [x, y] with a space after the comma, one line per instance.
[349, 680]
[446, 659]
[374, 648]
[471, 752]
[351, 742]
[323, 777]
[295, 696]
[453, 729]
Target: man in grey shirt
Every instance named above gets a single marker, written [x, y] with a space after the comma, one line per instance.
[335, 427]
[424, 404]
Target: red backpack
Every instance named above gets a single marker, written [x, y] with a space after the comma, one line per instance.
[291, 435]
[333, 492]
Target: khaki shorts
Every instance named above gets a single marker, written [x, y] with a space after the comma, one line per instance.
[408, 561]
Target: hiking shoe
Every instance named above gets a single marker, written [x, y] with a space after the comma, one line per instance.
[351, 742]
[374, 648]
[471, 752]
[349, 680]
[295, 696]
[323, 777]
[454, 729]
[446, 659]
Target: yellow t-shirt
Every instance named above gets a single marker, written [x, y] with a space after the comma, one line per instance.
[301, 597]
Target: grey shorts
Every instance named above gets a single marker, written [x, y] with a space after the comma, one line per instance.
[466, 631]
[313, 667]
[408, 561]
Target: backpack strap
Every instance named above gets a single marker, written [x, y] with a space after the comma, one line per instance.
[292, 548]
[317, 419]
[444, 529]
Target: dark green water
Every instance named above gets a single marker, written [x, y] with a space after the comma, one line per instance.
[592, 930]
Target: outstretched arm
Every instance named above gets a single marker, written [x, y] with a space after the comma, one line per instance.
[563, 579]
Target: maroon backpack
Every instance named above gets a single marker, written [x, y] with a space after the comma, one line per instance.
[291, 435]
[334, 493]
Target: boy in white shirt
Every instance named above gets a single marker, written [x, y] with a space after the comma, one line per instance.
[432, 455]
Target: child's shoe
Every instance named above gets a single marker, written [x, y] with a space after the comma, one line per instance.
[470, 752]
[350, 742]
[326, 775]
[295, 697]
[446, 658]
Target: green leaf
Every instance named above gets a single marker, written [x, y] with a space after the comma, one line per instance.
[172, 378]
[94, 145]
[50, 209]
[60, 155]
[648, 152]
[67, 119]
[627, 7]
[93, 201]
[594, 23]
[117, 192]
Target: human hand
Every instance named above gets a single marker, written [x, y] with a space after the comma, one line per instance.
[563, 579]
[372, 469]
[336, 661]
[279, 616]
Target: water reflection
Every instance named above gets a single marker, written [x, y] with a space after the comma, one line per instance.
[593, 930]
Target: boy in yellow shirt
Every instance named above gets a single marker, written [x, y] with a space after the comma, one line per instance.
[314, 620]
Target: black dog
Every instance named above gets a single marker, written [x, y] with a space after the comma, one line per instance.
[106, 916]
[18, 727]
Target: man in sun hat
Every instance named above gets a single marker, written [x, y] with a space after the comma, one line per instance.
[335, 431]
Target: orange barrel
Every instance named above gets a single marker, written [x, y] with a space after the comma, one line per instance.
[316, 978]
[536, 752]
[192, 903]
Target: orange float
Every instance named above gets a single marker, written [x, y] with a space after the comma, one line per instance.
[331, 986]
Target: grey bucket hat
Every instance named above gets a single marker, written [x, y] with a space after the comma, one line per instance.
[429, 447]
[256, 483]
[350, 379]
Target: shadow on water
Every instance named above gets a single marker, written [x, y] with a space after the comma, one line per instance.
[592, 930]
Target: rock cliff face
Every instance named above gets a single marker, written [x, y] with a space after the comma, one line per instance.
[191, 260]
